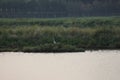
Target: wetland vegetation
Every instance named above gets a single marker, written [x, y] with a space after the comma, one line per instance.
[59, 34]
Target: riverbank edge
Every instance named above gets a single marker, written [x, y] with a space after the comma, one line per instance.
[46, 52]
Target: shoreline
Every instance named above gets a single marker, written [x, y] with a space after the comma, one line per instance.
[89, 50]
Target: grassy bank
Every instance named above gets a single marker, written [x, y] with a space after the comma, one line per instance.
[59, 35]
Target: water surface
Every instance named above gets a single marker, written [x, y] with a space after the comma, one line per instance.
[89, 65]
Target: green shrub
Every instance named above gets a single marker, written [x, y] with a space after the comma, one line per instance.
[38, 35]
[53, 48]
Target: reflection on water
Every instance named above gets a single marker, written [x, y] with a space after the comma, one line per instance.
[91, 65]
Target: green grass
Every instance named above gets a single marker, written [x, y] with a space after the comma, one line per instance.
[59, 35]
[65, 22]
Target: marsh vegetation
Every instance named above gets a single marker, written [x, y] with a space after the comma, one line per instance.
[59, 35]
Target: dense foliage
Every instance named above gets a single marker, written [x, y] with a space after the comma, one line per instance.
[58, 8]
[59, 35]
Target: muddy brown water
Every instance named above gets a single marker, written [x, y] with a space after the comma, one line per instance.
[89, 65]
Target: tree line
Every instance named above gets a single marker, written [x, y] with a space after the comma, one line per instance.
[59, 8]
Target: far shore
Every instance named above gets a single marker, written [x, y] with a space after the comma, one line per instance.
[59, 35]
